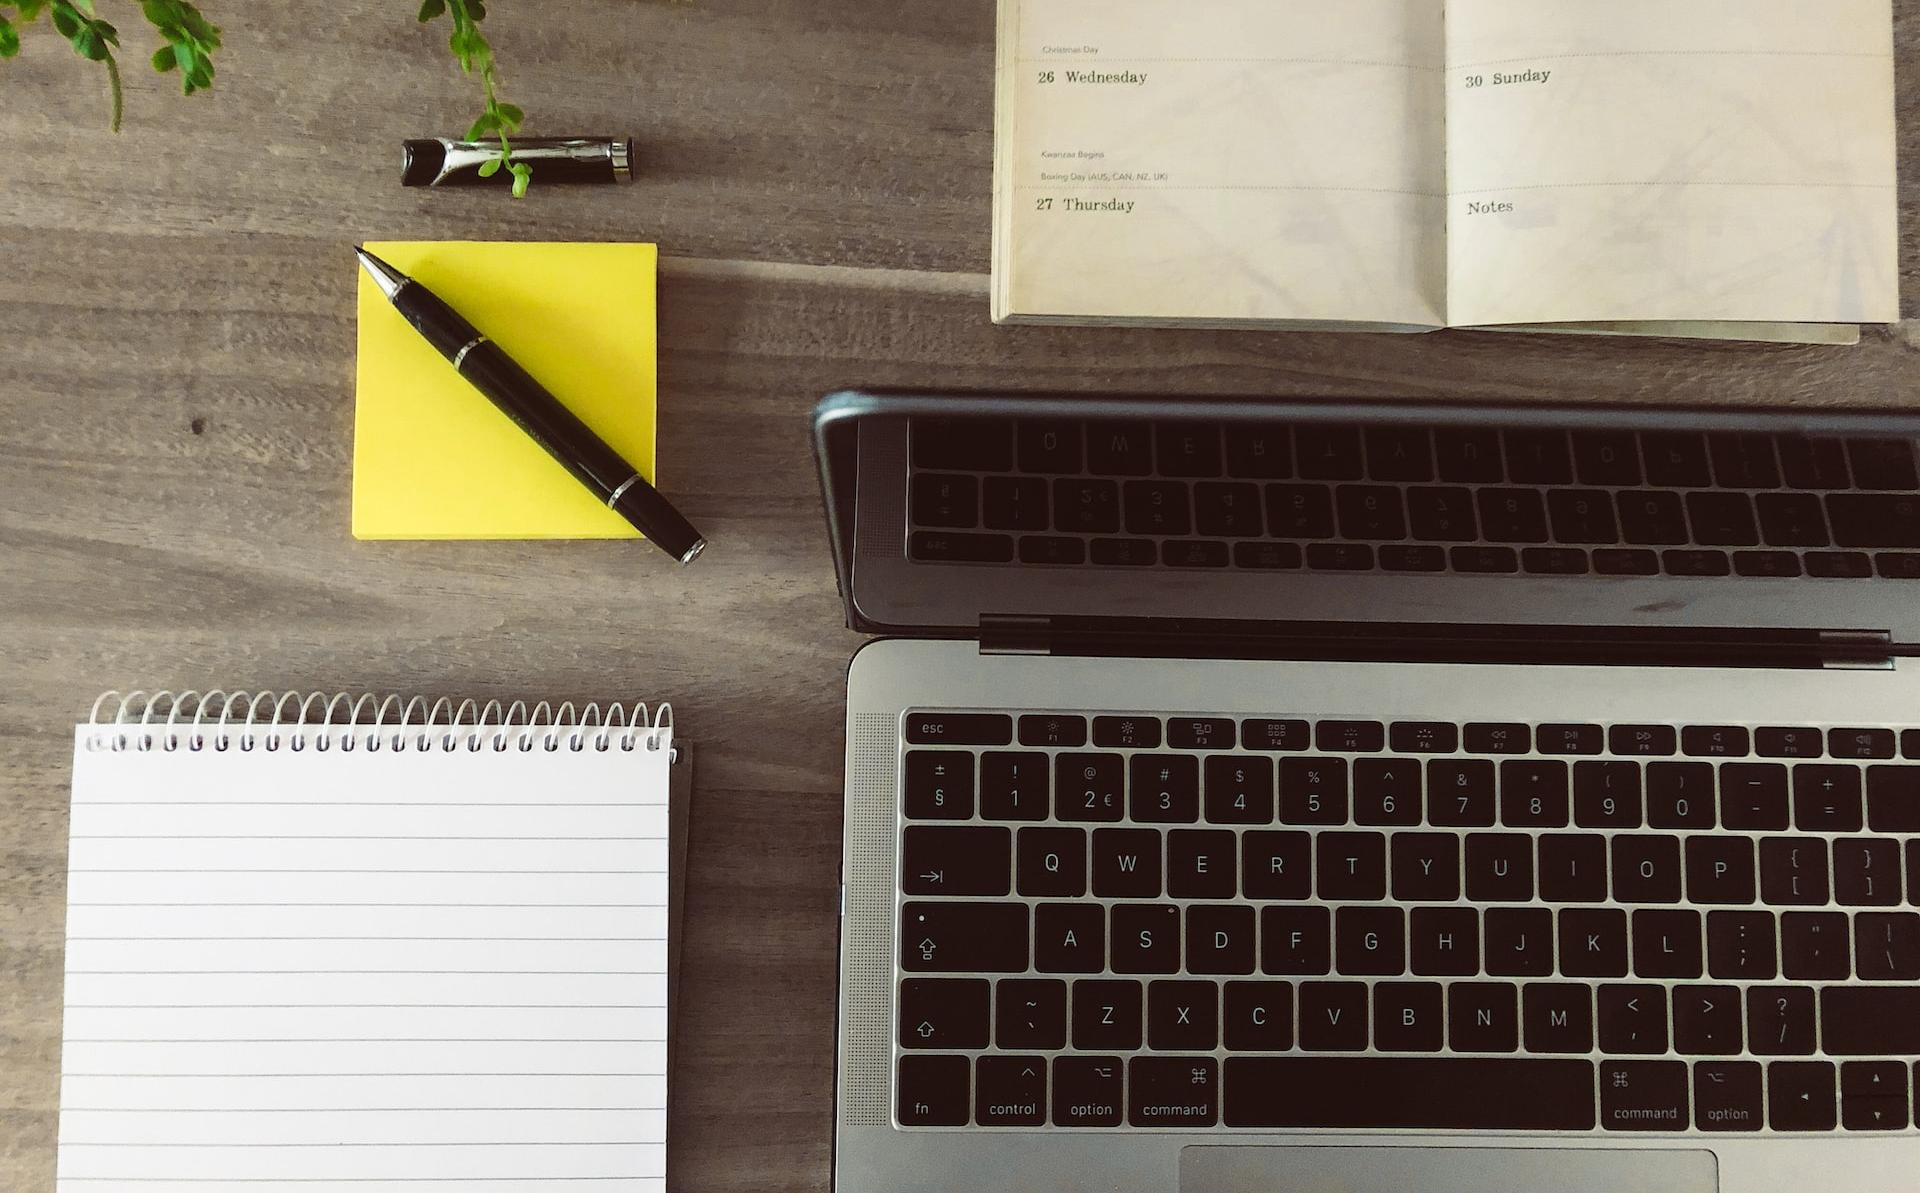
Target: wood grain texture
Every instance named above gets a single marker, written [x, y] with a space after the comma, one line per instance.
[176, 356]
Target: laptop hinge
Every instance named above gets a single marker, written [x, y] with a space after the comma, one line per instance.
[1405, 642]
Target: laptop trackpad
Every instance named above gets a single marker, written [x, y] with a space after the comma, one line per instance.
[1256, 1169]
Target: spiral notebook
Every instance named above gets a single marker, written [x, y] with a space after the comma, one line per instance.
[363, 945]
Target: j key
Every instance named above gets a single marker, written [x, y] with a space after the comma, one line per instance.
[1426, 867]
[1722, 519]
[1780, 1021]
[1753, 795]
[1048, 446]
[1666, 944]
[1276, 865]
[957, 860]
[1069, 938]
[1870, 1020]
[1606, 794]
[1538, 457]
[1646, 869]
[958, 729]
[1740, 945]
[1644, 1095]
[1086, 506]
[1030, 1013]
[1826, 799]
[1220, 939]
[1133, 733]
[1351, 866]
[1568, 739]
[1010, 1091]
[1460, 794]
[1445, 941]
[1173, 1091]
[1126, 863]
[1014, 503]
[1815, 945]
[1593, 943]
[1793, 871]
[1313, 790]
[939, 785]
[1424, 737]
[1558, 1017]
[1087, 1091]
[963, 937]
[1188, 449]
[1053, 862]
[1258, 1016]
[1499, 867]
[1333, 1016]
[1442, 515]
[1633, 1020]
[1106, 1015]
[1299, 511]
[1893, 799]
[1276, 735]
[1482, 1017]
[1146, 938]
[1119, 448]
[1862, 520]
[1886, 946]
[1014, 786]
[949, 501]
[1259, 451]
[943, 1013]
[1792, 520]
[1200, 863]
[1088, 787]
[1441, 1093]
[1399, 454]
[1296, 940]
[1800, 1096]
[1512, 516]
[1498, 737]
[1166, 788]
[1582, 516]
[1407, 1017]
[1328, 453]
[1239, 789]
[1720, 869]
[1866, 872]
[1645, 740]
[1812, 463]
[1226, 511]
[1713, 741]
[1860, 743]
[1573, 868]
[1200, 733]
[1726, 1096]
[1183, 1016]
[1370, 940]
[1519, 942]
[1157, 508]
[1386, 791]
[1680, 795]
[1370, 512]
[1882, 463]
[1873, 1096]
[1651, 519]
[932, 1091]
[1676, 460]
[1607, 458]
[1744, 461]
[962, 444]
[1533, 794]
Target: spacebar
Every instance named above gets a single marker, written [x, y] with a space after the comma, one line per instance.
[1440, 1092]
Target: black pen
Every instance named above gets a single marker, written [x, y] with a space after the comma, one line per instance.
[491, 371]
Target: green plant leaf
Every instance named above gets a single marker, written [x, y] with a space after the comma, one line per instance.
[510, 115]
[163, 59]
[66, 22]
[431, 9]
[9, 39]
[522, 179]
[490, 167]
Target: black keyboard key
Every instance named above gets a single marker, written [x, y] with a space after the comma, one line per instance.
[1313, 790]
[1438, 1093]
[1793, 871]
[1753, 795]
[1720, 869]
[1146, 938]
[1052, 862]
[1643, 740]
[1869, 1020]
[1269, 557]
[1782, 742]
[1538, 457]
[1722, 519]
[1646, 869]
[1421, 559]
[1014, 786]
[1444, 941]
[1886, 946]
[1866, 872]
[1714, 741]
[1157, 508]
[1533, 794]
[1676, 460]
[1133, 733]
[1010, 1091]
[1893, 799]
[1554, 561]
[1680, 795]
[1370, 941]
[1257, 1016]
[1519, 942]
[1606, 794]
[1696, 563]
[1812, 463]
[1371, 512]
[1187, 449]
[1626, 563]
[1053, 729]
[1873, 1096]
[1792, 520]
[1666, 944]
[1386, 791]
[1860, 743]
[1593, 942]
[1633, 1020]
[1883, 464]
[1863, 520]
[1726, 1096]
[1644, 1095]
[1569, 739]
[1651, 518]
[947, 501]
[944, 1013]
[1183, 1016]
[1340, 557]
[1088, 1091]
[1050, 551]
[1200, 863]
[939, 546]
[1276, 735]
[1910, 743]
[1740, 945]
[962, 444]
[1460, 794]
[1468, 456]
[1069, 938]
[1333, 1016]
[1107, 1015]
[1277, 865]
[932, 1091]
[1900, 565]
[1482, 1017]
[1166, 788]
[1126, 863]
[1220, 939]
[1200, 733]
[1226, 510]
[1399, 454]
[1815, 945]
[1499, 867]
[1573, 868]
[1610, 458]
[1558, 1017]
[1173, 1091]
[1086, 506]
[1765, 564]
[939, 783]
[1512, 516]
[1424, 737]
[956, 860]
[1439, 515]
[1048, 446]
[1800, 1096]
[1014, 503]
[1300, 511]
[963, 937]
[1407, 1017]
[1119, 448]
[1030, 1013]
[1838, 565]
[1498, 737]
[1351, 865]
[1296, 940]
[1780, 1021]
[1239, 789]
[1485, 561]
[1743, 461]
[1088, 787]
[1326, 453]
[1426, 867]
[1826, 799]
[1259, 451]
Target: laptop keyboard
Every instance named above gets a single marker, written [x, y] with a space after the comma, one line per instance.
[1268, 497]
[1210, 922]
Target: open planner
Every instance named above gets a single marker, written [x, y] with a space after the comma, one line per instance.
[1716, 168]
[335, 945]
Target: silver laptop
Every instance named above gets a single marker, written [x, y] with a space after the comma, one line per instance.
[1258, 796]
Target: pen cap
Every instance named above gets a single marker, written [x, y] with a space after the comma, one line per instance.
[441, 161]
[642, 505]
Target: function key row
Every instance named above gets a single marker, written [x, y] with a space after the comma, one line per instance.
[1146, 732]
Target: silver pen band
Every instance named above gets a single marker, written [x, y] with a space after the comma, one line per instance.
[629, 483]
[469, 346]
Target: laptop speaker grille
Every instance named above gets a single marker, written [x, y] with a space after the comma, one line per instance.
[880, 527]
[871, 818]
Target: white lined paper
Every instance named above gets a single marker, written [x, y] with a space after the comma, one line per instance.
[366, 970]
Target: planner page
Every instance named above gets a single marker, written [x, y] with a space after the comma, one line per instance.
[1644, 160]
[366, 970]
[1218, 160]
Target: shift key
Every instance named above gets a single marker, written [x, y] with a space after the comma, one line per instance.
[963, 937]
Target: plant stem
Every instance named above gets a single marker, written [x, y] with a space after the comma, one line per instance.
[113, 83]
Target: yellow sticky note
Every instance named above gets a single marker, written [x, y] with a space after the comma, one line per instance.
[433, 458]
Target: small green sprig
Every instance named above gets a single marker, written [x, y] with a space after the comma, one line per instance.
[190, 39]
[475, 56]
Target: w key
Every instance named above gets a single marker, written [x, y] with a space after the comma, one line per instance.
[956, 861]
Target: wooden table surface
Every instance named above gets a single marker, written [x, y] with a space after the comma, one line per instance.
[176, 394]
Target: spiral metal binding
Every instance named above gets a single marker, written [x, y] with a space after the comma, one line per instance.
[219, 720]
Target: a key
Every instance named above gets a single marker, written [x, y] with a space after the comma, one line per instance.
[956, 860]
[1814, 945]
[1499, 867]
[944, 1013]
[1650, 518]
[1609, 458]
[1399, 454]
[1533, 794]
[1882, 463]
[1052, 862]
[1676, 459]
[1606, 794]
[1860, 743]
[953, 546]
[1013, 503]
[1426, 867]
[1706, 1020]
[1593, 943]
[1441, 515]
[1445, 941]
[1239, 789]
[1800, 1096]
[1107, 1015]
[1166, 788]
[1468, 455]
[1864, 520]
[1126, 863]
[1014, 786]
[1183, 1016]
[1866, 872]
[1407, 1017]
[1646, 869]
[1666, 944]
[1351, 737]
[1583, 516]
[1220, 939]
[1397, 558]
[1826, 799]
[931, 1091]
[1423, 737]
[1481, 1017]
[1720, 869]
[1430, 1092]
[1644, 740]
[1838, 565]
[1893, 799]
[1792, 520]
[1088, 787]
[1696, 563]
[1010, 1091]
[1808, 463]
[1563, 738]
[1146, 938]
[962, 444]
[1200, 863]
[1873, 1095]
[1519, 942]
[1370, 941]
[1187, 449]
[1131, 553]
[1460, 793]
[1780, 1021]
[1793, 871]
[1276, 865]
[1573, 868]
[1069, 938]
[1722, 519]
[1886, 946]
[1029, 1013]
[1119, 448]
[1200, 733]
[946, 501]
[1340, 557]
[1278, 735]
[1714, 741]
[963, 937]
[1740, 945]
[1257, 1016]
[1173, 1091]
[1753, 795]
[1048, 446]
[1680, 795]
[1558, 1017]
[1632, 1020]
[1869, 1020]
[1538, 457]
[939, 785]
[1644, 1095]
[1726, 1095]
[1351, 865]
[1296, 940]
[1088, 1091]
[1333, 1016]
